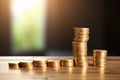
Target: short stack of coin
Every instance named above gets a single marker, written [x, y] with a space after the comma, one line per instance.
[26, 64]
[67, 62]
[53, 63]
[40, 62]
[99, 57]
[80, 46]
[13, 65]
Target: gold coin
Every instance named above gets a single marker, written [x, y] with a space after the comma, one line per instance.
[99, 63]
[79, 43]
[81, 64]
[40, 63]
[81, 30]
[80, 46]
[81, 37]
[100, 60]
[79, 49]
[67, 62]
[26, 64]
[53, 63]
[81, 40]
[81, 58]
[99, 54]
[80, 54]
[13, 65]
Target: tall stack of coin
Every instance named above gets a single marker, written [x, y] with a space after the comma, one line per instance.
[40, 63]
[99, 57]
[80, 46]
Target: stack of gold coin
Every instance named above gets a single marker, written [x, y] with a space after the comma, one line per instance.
[26, 64]
[67, 62]
[99, 57]
[40, 62]
[80, 46]
[53, 63]
[81, 34]
[13, 65]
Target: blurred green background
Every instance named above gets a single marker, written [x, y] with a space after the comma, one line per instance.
[27, 25]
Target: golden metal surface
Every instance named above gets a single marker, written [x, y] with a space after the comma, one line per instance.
[40, 62]
[99, 54]
[67, 62]
[79, 31]
[99, 57]
[13, 65]
[53, 63]
[80, 46]
[26, 64]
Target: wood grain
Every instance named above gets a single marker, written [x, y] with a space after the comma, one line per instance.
[110, 72]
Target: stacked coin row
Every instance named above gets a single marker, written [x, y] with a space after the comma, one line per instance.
[99, 57]
[43, 63]
[80, 46]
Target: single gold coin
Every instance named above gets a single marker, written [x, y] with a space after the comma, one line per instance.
[81, 37]
[81, 57]
[78, 53]
[81, 40]
[79, 43]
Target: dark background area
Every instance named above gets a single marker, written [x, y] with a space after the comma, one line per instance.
[101, 16]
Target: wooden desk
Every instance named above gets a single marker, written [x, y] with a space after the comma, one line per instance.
[110, 72]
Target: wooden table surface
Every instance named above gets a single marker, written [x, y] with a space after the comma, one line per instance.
[110, 72]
